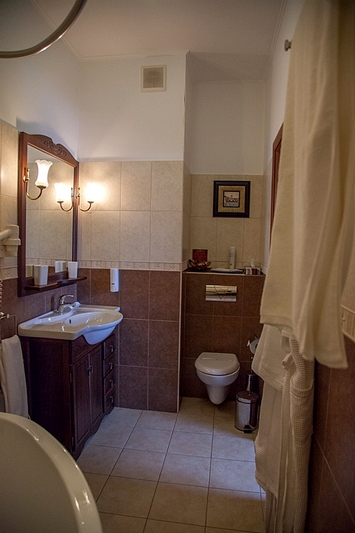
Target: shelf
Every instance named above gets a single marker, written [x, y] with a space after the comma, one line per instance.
[54, 285]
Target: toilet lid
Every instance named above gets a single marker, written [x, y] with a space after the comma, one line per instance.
[216, 363]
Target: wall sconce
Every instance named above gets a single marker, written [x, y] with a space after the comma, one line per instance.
[62, 195]
[42, 177]
[90, 193]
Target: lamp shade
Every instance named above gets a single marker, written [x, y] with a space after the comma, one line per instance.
[43, 169]
[63, 192]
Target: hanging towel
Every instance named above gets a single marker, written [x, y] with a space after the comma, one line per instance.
[12, 377]
[283, 441]
[314, 218]
[269, 354]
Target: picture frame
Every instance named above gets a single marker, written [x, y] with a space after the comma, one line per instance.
[231, 199]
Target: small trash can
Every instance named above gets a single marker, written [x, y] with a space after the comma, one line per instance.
[246, 411]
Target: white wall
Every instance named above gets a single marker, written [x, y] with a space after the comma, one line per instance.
[276, 84]
[119, 122]
[39, 94]
[276, 88]
[226, 127]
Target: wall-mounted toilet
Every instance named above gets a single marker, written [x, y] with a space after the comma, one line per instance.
[217, 371]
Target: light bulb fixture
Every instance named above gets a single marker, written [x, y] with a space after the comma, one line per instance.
[62, 195]
[42, 177]
[90, 194]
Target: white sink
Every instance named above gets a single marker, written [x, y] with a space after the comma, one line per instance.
[95, 323]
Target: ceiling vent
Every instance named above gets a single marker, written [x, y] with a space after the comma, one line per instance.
[153, 78]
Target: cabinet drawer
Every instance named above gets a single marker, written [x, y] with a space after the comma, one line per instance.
[109, 401]
[109, 346]
[109, 381]
[109, 364]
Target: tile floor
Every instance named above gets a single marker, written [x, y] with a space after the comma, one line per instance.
[190, 472]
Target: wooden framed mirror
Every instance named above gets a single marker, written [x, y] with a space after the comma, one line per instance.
[47, 232]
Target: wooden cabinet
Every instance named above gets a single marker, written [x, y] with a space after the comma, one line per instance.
[71, 386]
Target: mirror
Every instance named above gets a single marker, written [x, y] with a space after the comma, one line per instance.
[47, 232]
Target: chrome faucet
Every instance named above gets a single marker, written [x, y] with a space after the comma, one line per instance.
[63, 305]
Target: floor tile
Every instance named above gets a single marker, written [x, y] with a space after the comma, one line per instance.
[122, 416]
[157, 420]
[113, 523]
[98, 459]
[186, 469]
[197, 406]
[139, 464]
[155, 526]
[111, 435]
[154, 440]
[234, 475]
[96, 483]
[196, 444]
[225, 409]
[237, 448]
[224, 425]
[194, 423]
[179, 503]
[129, 497]
[235, 510]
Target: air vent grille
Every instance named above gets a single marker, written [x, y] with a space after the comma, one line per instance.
[154, 78]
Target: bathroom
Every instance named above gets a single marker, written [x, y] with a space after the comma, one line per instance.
[151, 277]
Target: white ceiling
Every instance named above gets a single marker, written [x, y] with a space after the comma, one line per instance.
[226, 39]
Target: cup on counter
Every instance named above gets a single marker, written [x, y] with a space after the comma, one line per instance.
[59, 266]
[72, 269]
[40, 273]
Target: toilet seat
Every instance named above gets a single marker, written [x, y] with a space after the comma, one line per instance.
[217, 364]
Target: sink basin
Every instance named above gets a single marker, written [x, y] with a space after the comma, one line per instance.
[95, 323]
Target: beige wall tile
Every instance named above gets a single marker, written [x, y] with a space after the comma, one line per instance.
[230, 232]
[105, 235]
[202, 195]
[136, 183]
[165, 240]
[167, 186]
[203, 234]
[135, 236]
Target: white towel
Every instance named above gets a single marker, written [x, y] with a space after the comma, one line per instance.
[12, 377]
[314, 218]
[267, 362]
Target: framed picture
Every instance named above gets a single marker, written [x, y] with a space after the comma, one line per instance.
[231, 199]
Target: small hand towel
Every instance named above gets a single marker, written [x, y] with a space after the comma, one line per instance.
[12, 377]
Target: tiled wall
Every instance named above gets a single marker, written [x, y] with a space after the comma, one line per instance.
[218, 326]
[217, 234]
[331, 506]
[149, 334]
[138, 222]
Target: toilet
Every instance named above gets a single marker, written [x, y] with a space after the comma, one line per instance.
[217, 371]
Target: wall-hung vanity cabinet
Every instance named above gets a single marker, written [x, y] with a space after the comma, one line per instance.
[71, 386]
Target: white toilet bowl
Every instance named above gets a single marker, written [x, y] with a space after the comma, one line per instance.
[217, 371]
